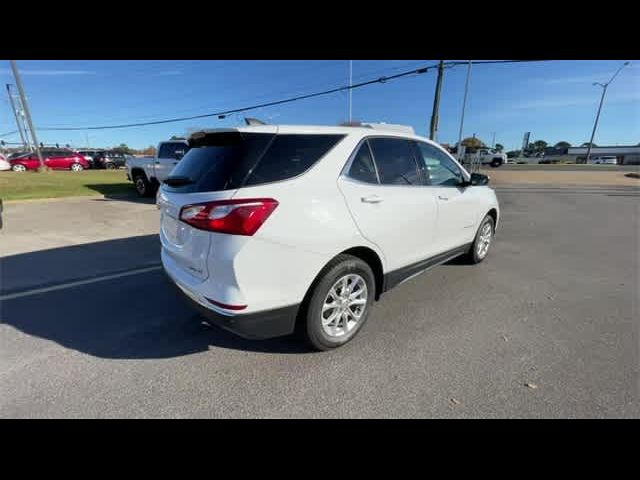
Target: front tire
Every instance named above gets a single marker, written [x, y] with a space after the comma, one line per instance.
[18, 168]
[143, 186]
[110, 166]
[496, 162]
[339, 304]
[482, 242]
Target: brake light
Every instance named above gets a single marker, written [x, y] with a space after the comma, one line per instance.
[236, 216]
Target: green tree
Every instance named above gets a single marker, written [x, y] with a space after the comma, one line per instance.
[123, 148]
[499, 147]
[149, 151]
[472, 144]
[562, 144]
[539, 146]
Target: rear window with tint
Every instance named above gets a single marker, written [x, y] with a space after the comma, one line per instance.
[230, 160]
[172, 150]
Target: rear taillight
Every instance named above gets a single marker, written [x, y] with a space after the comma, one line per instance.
[236, 216]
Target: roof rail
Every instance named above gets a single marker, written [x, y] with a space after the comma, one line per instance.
[353, 124]
[390, 126]
[381, 126]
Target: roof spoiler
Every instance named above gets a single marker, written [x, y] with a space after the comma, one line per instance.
[253, 121]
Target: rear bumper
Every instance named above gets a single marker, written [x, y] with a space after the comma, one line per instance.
[254, 326]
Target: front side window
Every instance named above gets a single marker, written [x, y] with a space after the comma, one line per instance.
[440, 169]
[395, 161]
[362, 167]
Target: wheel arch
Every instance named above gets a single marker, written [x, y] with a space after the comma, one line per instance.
[136, 170]
[493, 213]
[364, 253]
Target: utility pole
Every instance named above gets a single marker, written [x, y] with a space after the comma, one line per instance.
[604, 92]
[436, 103]
[464, 106]
[15, 113]
[23, 99]
[350, 89]
[493, 142]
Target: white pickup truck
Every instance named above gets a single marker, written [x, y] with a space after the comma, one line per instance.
[491, 157]
[147, 173]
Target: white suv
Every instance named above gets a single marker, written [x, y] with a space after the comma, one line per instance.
[271, 229]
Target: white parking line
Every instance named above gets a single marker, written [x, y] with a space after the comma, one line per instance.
[62, 286]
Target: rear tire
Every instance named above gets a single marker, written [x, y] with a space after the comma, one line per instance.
[18, 168]
[76, 167]
[484, 238]
[110, 166]
[351, 305]
[496, 162]
[143, 186]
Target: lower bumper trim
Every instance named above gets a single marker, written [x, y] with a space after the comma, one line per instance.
[254, 326]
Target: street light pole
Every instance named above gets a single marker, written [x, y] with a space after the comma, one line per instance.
[23, 100]
[604, 92]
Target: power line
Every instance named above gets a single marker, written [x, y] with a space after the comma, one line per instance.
[253, 107]
[481, 62]
[254, 98]
[8, 133]
[224, 113]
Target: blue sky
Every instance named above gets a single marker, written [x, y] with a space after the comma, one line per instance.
[553, 100]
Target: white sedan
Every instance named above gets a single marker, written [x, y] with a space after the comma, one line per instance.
[4, 165]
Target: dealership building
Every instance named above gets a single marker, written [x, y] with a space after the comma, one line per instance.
[629, 155]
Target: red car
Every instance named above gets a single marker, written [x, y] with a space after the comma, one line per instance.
[55, 159]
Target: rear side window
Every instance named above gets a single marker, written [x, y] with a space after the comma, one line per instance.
[290, 155]
[396, 162]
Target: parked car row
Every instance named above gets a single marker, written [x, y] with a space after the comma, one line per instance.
[100, 158]
[65, 159]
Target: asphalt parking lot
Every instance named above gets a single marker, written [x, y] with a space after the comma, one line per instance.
[547, 326]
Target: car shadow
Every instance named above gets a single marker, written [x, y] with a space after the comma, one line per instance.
[137, 315]
[120, 192]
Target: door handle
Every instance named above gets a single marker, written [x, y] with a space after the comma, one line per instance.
[157, 162]
[371, 199]
[443, 197]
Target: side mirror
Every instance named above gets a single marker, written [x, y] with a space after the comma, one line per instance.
[478, 179]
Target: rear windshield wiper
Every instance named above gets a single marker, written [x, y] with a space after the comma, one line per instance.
[178, 181]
